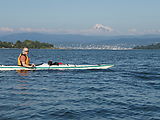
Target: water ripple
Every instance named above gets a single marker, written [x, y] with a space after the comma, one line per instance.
[129, 91]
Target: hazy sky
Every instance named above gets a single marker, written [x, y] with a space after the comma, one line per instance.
[80, 16]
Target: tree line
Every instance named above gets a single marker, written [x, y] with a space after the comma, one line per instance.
[153, 46]
[26, 43]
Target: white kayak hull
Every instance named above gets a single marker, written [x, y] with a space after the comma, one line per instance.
[55, 67]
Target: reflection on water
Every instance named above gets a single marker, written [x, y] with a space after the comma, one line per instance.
[23, 89]
[23, 72]
[22, 86]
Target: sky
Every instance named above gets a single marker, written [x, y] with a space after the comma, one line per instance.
[88, 17]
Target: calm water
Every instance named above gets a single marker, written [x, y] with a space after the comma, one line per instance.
[128, 91]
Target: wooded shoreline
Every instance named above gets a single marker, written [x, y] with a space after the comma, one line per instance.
[27, 43]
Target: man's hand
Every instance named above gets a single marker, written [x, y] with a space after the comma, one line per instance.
[33, 65]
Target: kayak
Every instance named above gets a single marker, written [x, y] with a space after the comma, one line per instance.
[45, 66]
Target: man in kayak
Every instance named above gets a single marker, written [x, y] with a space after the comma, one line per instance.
[23, 59]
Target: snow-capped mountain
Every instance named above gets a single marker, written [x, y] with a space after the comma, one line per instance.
[102, 28]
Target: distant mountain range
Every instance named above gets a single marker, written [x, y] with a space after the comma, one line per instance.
[69, 40]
